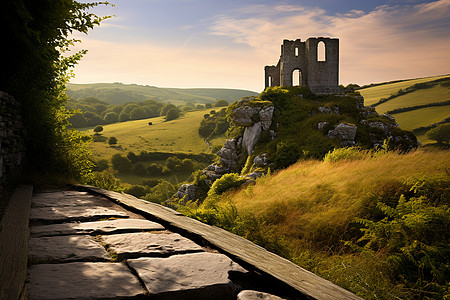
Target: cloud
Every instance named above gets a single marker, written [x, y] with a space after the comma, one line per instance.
[390, 42]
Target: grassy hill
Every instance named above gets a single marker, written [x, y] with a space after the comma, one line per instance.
[118, 93]
[176, 136]
[310, 214]
[417, 116]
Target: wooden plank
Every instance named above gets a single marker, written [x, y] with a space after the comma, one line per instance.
[14, 236]
[307, 283]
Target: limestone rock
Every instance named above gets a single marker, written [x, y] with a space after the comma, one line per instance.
[132, 245]
[255, 295]
[65, 249]
[245, 115]
[265, 116]
[345, 132]
[321, 125]
[82, 280]
[260, 160]
[186, 192]
[69, 213]
[98, 227]
[250, 137]
[190, 276]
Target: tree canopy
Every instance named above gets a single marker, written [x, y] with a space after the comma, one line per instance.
[34, 71]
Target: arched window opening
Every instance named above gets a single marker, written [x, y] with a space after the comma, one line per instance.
[321, 51]
[270, 80]
[296, 78]
[296, 51]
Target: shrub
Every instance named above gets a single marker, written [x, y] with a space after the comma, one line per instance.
[286, 155]
[133, 157]
[172, 114]
[151, 182]
[138, 113]
[104, 180]
[200, 106]
[101, 165]
[98, 129]
[166, 108]
[137, 190]
[161, 192]
[208, 105]
[139, 169]
[221, 103]
[112, 141]
[120, 163]
[351, 153]
[111, 117]
[154, 170]
[173, 163]
[224, 183]
[440, 134]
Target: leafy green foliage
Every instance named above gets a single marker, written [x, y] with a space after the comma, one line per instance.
[415, 234]
[35, 73]
[213, 124]
[224, 183]
[172, 114]
[112, 140]
[221, 103]
[98, 129]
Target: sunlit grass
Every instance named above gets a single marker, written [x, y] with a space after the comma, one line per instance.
[422, 117]
[374, 94]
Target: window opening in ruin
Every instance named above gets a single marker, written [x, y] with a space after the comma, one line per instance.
[296, 51]
[296, 78]
[321, 51]
[270, 80]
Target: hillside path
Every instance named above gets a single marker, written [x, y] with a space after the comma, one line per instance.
[84, 246]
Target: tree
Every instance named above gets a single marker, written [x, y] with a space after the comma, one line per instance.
[208, 105]
[111, 117]
[121, 163]
[35, 69]
[166, 108]
[112, 141]
[440, 134]
[138, 113]
[220, 103]
[123, 117]
[98, 129]
[172, 114]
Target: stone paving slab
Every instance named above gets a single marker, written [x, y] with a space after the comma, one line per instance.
[82, 280]
[98, 227]
[187, 276]
[132, 245]
[68, 213]
[65, 249]
[53, 200]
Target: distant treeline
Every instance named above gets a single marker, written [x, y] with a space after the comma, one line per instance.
[422, 85]
[91, 111]
[410, 108]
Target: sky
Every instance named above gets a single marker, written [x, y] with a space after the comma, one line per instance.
[227, 43]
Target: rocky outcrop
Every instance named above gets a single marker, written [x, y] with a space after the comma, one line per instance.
[250, 137]
[346, 133]
[186, 192]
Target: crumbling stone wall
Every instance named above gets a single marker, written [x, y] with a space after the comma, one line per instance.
[11, 137]
[322, 77]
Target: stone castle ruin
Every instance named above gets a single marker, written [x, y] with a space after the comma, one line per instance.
[314, 63]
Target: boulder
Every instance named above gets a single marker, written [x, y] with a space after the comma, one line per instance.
[265, 116]
[186, 191]
[245, 115]
[321, 125]
[343, 132]
[255, 295]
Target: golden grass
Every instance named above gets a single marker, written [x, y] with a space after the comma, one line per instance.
[311, 199]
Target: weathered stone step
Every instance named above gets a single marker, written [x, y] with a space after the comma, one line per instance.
[200, 276]
[97, 227]
[132, 245]
[48, 215]
[59, 249]
[83, 280]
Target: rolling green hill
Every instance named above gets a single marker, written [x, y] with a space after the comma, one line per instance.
[412, 95]
[118, 93]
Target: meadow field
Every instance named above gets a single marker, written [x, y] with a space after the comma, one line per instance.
[176, 136]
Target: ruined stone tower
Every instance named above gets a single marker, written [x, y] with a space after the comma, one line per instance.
[314, 63]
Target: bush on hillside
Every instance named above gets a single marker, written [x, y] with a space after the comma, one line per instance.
[121, 163]
[225, 183]
[112, 140]
[172, 114]
[440, 134]
[221, 103]
[111, 117]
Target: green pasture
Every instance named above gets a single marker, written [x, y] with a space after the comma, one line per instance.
[374, 94]
[419, 97]
[180, 135]
[422, 117]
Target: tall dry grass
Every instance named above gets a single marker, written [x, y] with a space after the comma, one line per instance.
[312, 202]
